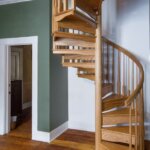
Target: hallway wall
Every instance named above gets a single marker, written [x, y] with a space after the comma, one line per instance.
[33, 18]
[81, 102]
[127, 23]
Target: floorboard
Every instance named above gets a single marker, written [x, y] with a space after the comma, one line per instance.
[20, 139]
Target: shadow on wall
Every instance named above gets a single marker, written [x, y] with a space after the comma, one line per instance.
[126, 22]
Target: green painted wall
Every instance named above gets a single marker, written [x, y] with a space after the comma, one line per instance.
[59, 93]
[58, 90]
[33, 19]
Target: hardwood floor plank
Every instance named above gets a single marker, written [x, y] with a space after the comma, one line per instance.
[73, 145]
[70, 140]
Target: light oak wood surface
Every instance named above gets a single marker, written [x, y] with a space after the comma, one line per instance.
[114, 70]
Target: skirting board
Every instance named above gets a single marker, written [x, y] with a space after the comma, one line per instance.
[78, 125]
[49, 137]
[58, 131]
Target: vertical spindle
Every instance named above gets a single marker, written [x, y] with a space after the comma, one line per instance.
[107, 63]
[113, 68]
[74, 4]
[65, 2]
[119, 68]
[130, 128]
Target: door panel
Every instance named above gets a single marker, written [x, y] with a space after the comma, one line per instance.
[16, 80]
[15, 63]
[16, 97]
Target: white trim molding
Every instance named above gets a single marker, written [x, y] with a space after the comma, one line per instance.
[41, 136]
[4, 88]
[81, 125]
[58, 131]
[4, 99]
[49, 137]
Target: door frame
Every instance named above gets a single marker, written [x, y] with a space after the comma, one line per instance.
[6, 44]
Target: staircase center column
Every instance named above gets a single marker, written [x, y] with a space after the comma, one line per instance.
[98, 84]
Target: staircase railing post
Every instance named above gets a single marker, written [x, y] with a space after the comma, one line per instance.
[98, 84]
[74, 4]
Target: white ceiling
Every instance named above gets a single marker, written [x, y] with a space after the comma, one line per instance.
[4, 2]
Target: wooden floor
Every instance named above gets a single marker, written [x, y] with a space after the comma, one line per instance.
[20, 139]
[23, 129]
[70, 140]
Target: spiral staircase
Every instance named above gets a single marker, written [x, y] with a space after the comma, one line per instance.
[118, 75]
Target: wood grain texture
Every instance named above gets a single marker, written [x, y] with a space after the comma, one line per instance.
[27, 73]
[70, 40]
[147, 145]
[70, 140]
[23, 129]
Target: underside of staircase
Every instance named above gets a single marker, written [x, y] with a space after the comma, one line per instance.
[117, 74]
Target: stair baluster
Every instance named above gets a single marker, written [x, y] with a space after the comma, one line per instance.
[118, 75]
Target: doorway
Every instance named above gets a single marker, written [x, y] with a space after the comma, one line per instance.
[21, 91]
[5, 45]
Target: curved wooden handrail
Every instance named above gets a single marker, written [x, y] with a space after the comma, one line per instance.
[133, 95]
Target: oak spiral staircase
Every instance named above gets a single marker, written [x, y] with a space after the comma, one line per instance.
[118, 75]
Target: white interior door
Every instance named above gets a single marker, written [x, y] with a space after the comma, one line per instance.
[15, 66]
[16, 63]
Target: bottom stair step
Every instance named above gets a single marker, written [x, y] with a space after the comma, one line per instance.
[118, 134]
[113, 146]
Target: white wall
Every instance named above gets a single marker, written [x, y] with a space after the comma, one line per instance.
[81, 102]
[127, 23]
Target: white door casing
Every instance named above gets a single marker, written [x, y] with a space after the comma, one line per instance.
[5, 45]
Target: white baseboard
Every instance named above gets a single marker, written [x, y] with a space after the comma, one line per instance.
[27, 105]
[78, 125]
[58, 131]
[41, 136]
[49, 137]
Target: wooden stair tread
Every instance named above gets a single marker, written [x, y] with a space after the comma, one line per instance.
[76, 25]
[107, 88]
[118, 134]
[120, 129]
[90, 77]
[113, 101]
[117, 117]
[74, 52]
[113, 146]
[79, 57]
[85, 38]
[73, 42]
[89, 6]
[79, 65]
[119, 112]
[116, 97]
[75, 15]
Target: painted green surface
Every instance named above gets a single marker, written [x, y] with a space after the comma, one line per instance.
[33, 19]
[59, 93]
[58, 90]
